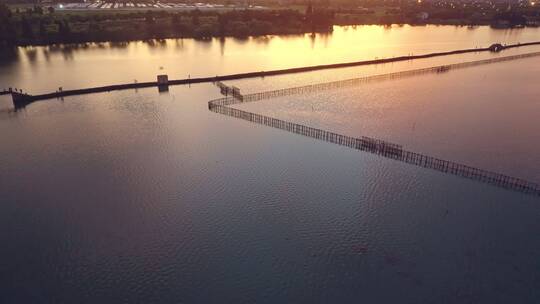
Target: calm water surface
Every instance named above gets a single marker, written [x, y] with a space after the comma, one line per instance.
[483, 116]
[141, 197]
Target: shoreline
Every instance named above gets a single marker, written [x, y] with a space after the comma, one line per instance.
[282, 33]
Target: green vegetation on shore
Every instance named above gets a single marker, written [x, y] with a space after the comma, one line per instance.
[37, 26]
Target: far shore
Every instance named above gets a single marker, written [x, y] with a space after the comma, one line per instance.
[82, 40]
[41, 25]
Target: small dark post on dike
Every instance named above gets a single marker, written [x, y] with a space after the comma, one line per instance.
[163, 83]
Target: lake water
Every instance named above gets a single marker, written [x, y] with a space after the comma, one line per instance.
[137, 196]
[483, 116]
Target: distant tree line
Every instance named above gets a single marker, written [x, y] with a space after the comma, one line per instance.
[38, 25]
[44, 26]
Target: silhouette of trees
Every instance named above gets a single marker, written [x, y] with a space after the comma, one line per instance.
[318, 18]
[5, 12]
[35, 27]
[64, 30]
[7, 31]
[309, 13]
[176, 19]
[513, 18]
[43, 29]
[26, 27]
[149, 17]
[38, 10]
[223, 20]
[195, 17]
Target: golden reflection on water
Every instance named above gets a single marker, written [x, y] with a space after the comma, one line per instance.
[74, 66]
